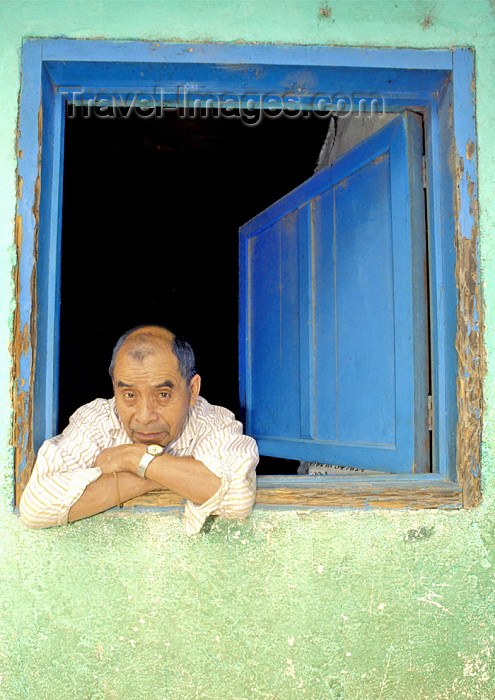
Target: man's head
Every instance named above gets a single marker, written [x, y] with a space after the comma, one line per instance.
[154, 382]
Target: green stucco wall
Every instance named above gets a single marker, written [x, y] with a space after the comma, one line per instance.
[317, 605]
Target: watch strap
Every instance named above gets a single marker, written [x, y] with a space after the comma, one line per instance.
[143, 464]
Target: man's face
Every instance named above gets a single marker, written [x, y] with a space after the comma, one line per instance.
[152, 397]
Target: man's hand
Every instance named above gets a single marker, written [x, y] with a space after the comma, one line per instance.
[123, 458]
[185, 476]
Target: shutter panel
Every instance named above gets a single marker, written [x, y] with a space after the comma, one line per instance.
[333, 311]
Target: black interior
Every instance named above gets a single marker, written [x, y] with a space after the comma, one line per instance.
[152, 208]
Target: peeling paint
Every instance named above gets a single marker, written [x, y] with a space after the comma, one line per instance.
[18, 235]
[23, 345]
[24, 340]
[16, 352]
[469, 343]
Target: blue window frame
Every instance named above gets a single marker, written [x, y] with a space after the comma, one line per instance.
[435, 83]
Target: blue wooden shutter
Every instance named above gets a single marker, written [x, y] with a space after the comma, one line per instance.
[333, 317]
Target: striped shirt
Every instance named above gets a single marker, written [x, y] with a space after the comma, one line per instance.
[64, 465]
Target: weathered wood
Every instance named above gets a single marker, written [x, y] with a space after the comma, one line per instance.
[338, 492]
[347, 496]
[414, 492]
[24, 337]
[470, 326]
[163, 498]
[471, 357]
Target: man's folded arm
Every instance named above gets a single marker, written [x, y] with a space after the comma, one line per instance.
[234, 461]
[185, 476]
[63, 469]
[105, 492]
[49, 495]
[62, 497]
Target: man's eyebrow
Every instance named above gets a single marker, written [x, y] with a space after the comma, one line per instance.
[167, 383]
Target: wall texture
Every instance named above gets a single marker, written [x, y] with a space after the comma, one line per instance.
[321, 605]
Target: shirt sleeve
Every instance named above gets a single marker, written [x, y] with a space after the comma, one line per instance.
[62, 471]
[233, 457]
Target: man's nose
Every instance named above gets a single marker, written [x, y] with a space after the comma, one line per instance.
[146, 410]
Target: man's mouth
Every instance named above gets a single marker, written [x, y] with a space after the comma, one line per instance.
[149, 438]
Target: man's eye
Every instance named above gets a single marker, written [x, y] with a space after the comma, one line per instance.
[128, 395]
[164, 394]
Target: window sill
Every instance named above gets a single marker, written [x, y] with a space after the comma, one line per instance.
[416, 492]
[379, 491]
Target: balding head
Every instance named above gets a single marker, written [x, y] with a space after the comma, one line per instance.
[143, 341]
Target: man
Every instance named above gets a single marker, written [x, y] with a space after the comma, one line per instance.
[156, 432]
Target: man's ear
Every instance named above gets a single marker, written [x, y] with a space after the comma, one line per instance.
[194, 387]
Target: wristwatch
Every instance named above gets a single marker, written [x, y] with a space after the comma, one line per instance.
[152, 451]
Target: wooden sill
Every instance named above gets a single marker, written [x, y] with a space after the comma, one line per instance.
[418, 491]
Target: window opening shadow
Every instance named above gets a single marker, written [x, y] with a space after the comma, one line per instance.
[151, 212]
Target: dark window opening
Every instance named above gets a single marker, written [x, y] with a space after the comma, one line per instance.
[151, 214]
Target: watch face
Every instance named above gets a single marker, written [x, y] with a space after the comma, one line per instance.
[154, 449]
